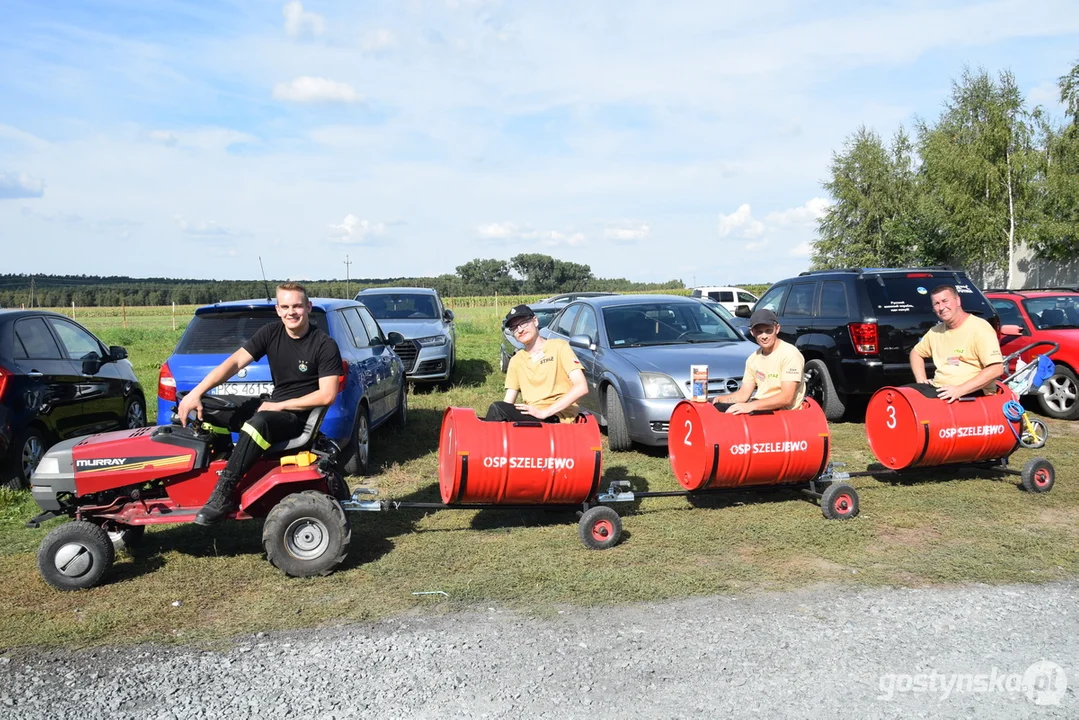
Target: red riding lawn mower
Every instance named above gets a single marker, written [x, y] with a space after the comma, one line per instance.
[115, 484]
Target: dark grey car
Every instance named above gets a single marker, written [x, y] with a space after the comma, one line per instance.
[429, 350]
[636, 351]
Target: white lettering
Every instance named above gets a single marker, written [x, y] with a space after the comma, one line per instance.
[787, 446]
[971, 431]
[530, 463]
[100, 462]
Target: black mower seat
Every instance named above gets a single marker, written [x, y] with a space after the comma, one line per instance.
[304, 439]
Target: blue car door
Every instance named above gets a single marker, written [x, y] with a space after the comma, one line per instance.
[367, 364]
[387, 374]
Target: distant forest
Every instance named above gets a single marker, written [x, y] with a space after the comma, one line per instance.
[535, 274]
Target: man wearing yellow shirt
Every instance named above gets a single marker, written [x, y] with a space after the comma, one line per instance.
[964, 349]
[546, 375]
[774, 378]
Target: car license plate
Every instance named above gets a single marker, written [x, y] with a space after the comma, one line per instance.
[251, 389]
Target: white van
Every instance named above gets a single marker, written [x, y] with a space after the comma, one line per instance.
[728, 297]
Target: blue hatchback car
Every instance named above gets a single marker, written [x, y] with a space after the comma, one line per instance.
[372, 391]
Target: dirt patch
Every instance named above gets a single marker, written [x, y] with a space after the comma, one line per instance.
[908, 537]
[1066, 519]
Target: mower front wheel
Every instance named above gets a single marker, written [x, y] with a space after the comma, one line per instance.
[75, 556]
[306, 534]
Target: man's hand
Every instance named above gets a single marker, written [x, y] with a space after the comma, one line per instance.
[538, 413]
[270, 406]
[740, 408]
[192, 402]
[950, 393]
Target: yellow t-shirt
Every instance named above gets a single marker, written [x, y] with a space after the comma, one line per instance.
[542, 382]
[962, 353]
[783, 364]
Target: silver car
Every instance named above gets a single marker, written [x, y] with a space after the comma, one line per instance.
[429, 350]
[636, 351]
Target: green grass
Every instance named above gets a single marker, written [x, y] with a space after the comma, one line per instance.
[941, 530]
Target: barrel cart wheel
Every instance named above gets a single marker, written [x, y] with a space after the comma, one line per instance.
[75, 556]
[306, 534]
[600, 528]
[839, 501]
[1038, 475]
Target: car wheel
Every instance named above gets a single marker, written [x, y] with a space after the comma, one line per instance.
[135, 414]
[617, 430]
[1059, 395]
[819, 386]
[27, 449]
[357, 461]
[400, 418]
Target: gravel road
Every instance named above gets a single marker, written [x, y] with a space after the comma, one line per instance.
[818, 653]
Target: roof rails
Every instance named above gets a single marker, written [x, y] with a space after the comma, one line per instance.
[860, 271]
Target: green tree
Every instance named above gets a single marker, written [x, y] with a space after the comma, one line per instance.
[483, 277]
[873, 217]
[544, 274]
[1056, 236]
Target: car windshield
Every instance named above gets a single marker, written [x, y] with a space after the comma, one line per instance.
[401, 306]
[662, 323]
[216, 333]
[1053, 312]
[713, 305]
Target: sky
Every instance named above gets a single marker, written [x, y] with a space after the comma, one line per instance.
[648, 140]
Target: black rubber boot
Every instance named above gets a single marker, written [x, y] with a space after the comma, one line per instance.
[220, 503]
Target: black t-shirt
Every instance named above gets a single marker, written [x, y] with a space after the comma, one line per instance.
[295, 364]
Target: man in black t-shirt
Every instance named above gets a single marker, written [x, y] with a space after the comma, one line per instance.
[304, 364]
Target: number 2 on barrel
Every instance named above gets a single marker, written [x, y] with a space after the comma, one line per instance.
[891, 423]
[689, 429]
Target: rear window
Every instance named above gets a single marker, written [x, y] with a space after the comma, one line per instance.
[897, 294]
[219, 333]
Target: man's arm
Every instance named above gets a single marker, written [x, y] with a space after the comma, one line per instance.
[739, 396]
[917, 364]
[193, 400]
[780, 401]
[578, 390]
[327, 391]
[983, 378]
[511, 395]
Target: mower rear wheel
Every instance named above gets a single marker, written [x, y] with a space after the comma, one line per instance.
[306, 534]
[1039, 475]
[839, 502]
[75, 556]
[600, 528]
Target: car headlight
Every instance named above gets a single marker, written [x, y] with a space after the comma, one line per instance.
[433, 341]
[658, 385]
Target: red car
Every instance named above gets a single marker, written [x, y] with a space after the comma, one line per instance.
[1050, 314]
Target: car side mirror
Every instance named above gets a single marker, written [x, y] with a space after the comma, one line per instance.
[117, 353]
[1011, 330]
[743, 311]
[395, 338]
[448, 315]
[582, 341]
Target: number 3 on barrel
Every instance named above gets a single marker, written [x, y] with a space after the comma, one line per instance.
[689, 429]
[891, 418]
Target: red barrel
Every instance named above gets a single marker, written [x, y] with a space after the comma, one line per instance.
[907, 429]
[712, 449]
[512, 463]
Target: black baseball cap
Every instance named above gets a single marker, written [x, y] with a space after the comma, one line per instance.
[764, 316]
[517, 314]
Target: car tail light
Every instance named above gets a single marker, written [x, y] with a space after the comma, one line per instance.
[343, 377]
[864, 337]
[166, 383]
[4, 375]
[919, 274]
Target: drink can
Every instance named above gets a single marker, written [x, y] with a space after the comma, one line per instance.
[698, 382]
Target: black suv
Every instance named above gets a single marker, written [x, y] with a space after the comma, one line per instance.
[856, 328]
[57, 380]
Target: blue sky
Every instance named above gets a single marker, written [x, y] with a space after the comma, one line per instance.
[649, 140]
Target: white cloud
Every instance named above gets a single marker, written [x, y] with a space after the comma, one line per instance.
[497, 231]
[756, 245]
[203, 229]
[624, 233]
[802, 249]
[299, 22]
[20, 185]
[740, 223]
[353, 230]
[554, 238]
[203, 139]
[315, 89]
[807, 214]
[377, 40]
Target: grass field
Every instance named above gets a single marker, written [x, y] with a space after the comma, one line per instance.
[942, 529]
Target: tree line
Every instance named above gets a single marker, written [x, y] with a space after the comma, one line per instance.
[989, 175]
[524, 274]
